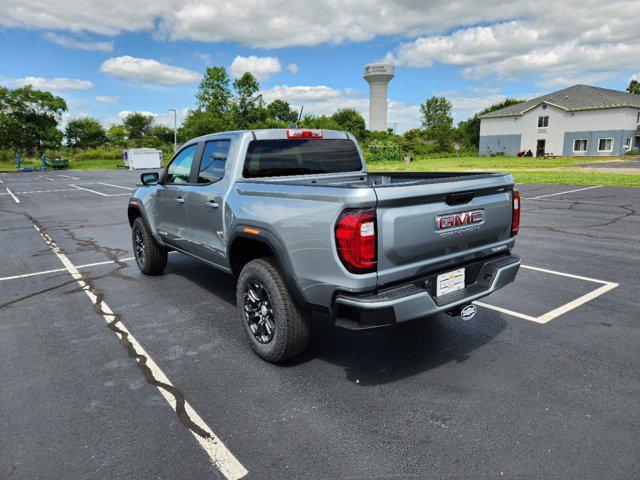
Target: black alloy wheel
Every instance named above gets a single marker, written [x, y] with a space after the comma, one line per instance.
[258, 311]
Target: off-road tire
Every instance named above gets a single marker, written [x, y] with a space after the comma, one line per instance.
[154, 258]
[292, 325]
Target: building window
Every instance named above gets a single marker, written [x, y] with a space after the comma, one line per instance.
[627, 144]
[580, 145]
[605, 144]
[638, 119]
[543, 122]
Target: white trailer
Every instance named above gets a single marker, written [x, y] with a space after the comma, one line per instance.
[142, 158]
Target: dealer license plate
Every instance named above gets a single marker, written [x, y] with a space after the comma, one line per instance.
[450, 282]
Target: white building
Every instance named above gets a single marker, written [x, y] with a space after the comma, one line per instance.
[579, 120]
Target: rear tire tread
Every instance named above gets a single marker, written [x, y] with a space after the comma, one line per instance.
[292, 326]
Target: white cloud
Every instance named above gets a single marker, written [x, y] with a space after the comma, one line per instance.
[206, 58]
[79, 44]
[125, 113]
[58, 83]
[108, 100]
[573, 41]
[144, 70]
[165, 119]
[265, 24]
[261, 67]
[499, 38]
[300, 93]
[293, 68]
[635, 76]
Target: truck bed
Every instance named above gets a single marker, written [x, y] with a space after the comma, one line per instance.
[379, 179]
[408, 207]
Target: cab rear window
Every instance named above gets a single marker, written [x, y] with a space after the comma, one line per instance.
[274, 158]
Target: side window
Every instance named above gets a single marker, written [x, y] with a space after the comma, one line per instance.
[213, 161]
[180, 167]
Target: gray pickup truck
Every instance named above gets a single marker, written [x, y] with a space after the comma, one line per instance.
[297, 219]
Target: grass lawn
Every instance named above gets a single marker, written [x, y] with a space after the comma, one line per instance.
[93, 164]
[562, 170]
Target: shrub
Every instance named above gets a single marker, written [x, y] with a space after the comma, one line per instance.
[7, 156]
[383, 151]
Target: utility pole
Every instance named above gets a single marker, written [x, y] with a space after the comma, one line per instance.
[175, 129]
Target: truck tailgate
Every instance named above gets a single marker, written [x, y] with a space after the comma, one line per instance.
[427, 227]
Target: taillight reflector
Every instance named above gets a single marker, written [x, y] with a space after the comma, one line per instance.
[515, 218]
[356, 240]
[304, 133]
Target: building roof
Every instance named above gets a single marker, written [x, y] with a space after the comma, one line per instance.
[578, 97]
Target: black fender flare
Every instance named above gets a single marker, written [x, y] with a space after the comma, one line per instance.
[277, 247]
[136, 209]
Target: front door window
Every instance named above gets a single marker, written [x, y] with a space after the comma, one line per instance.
[179, 169]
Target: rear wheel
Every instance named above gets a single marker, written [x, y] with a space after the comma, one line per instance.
[150, 257]
[277, 328]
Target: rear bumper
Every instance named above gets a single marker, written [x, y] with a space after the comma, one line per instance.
[417, 298]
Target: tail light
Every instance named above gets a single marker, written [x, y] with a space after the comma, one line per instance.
[515, 219]
[304, 133]
[356, 240]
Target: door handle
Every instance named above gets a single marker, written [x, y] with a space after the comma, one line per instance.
[179, 200]
[212, 204]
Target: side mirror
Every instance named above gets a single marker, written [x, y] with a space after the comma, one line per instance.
[149, 178]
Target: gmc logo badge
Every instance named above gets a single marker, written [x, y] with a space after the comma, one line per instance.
[458, 220]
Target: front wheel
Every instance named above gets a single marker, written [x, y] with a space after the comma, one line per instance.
[150, 257]
[277, 328]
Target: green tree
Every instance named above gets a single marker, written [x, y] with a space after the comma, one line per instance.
[281, 111]
[29, 119]
[85, 133]
[248, 106]
[202, 122]
[469, 130]
[138, 125]
[437, 121]
[634, 87]
[436, 111]
[117, 135]
[214, 94]
[162, 133]
[350, 120]
[322, 122]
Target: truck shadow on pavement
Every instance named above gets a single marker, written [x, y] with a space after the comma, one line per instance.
[388, 354]
[371, 357]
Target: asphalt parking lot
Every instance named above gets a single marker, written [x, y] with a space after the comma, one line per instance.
[543, 383]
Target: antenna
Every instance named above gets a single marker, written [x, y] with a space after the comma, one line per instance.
[300, 116]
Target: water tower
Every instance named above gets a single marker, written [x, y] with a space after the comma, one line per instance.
[378, 75]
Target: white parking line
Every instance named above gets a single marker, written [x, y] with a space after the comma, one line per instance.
[86, 265]
[13, 196]
[44, 272]
[562, 193]
[504, 310]
[1, 181]
[116, 186]
[68, 176]
[561, 310]
[89, 190]
[221, 457]
[46, 178]
[41, 191]
[99, 193]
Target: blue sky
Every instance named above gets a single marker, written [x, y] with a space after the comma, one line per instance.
[137, 56]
